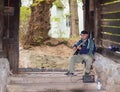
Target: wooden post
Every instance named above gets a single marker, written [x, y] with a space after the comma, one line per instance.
[1, 23]
[91, 16]
[11, 41]
[14, 39]
[88, 8]
[97, 21]
[86, 14]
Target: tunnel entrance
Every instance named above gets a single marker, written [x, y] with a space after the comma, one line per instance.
[99, 18]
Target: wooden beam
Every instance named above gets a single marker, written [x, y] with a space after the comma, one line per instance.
[111, 30]
[110, 54]
[107, 1]
[108, 43]
[111, 23]
[115, 15]
[111, 7]
[111, 37]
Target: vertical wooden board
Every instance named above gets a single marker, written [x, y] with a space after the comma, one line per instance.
[14, 38]
[13, 57]
[1, 5]
[10, 58]
[92, 5]
[16, 34]
[86, 15]
[97, 23]
[1, 23]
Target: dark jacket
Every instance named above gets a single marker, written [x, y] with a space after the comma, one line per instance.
[87, 48]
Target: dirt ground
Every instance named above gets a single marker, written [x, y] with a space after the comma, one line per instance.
[52, 54]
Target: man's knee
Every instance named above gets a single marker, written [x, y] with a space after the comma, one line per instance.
[88, 58]
[72, 59]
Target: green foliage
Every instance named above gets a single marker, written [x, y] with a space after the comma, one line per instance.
[38, 2]
[79, 1]
[112, 2]
[38, 39]
[24, 19]
[58, 3]
[55, 19]
[24, 13]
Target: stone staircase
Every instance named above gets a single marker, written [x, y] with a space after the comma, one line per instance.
[49, 82]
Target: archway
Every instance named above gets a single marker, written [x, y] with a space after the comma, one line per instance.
[10, 43]
[32, 61]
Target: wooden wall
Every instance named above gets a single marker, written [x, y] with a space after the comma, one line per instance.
[110, 22]
[11, 34]
[107, 25]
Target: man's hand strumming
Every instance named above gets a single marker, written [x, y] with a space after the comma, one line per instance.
[79, 47]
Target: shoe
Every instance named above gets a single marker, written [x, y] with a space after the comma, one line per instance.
[69, 74]
[87, 73]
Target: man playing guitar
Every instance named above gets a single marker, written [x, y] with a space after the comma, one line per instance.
[84, 51]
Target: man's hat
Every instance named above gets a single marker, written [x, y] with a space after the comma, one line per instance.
[84, 32]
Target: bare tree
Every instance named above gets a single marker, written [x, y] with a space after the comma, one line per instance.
[74, 21]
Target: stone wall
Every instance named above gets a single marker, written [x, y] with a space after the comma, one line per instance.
[4, 71]
[108, 72]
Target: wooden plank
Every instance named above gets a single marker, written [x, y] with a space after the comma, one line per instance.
[86, 14]
[108, 43]
[16, 35]
[111, 30]
[111, 7]
[13, 41]
[97, 23]
[115, 15]
[111, 37]
[107, 1]
[91, 5]
[110, 54]
[1, 24]
[111, 23]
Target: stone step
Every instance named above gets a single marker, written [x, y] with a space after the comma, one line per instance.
[54, 87]
[44, 78]
[49, 82]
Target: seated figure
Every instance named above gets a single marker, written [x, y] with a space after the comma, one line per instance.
[84, 51]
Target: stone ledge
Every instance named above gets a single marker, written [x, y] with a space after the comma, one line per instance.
[108, 71]
[4, 72]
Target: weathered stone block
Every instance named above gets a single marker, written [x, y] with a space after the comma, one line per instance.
[4, 72]
[108, 72]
